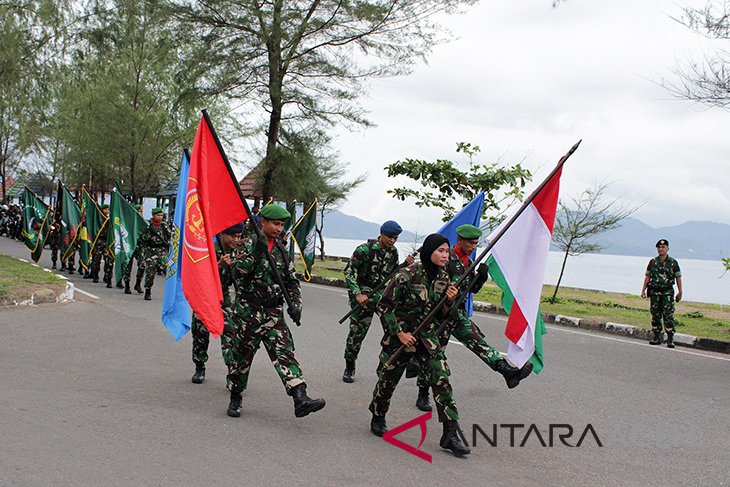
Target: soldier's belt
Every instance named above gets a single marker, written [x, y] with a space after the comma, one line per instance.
[263, 303]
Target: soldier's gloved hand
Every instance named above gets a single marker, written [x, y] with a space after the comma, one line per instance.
[483, 271]
[295, 313]
[261, 246]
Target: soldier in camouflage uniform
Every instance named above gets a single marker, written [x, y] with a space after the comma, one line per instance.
[407, 300]
[661, 273]
[101, 250]
[462, 328]
[370, 264]
[155, 240]
[258, 314]
[137, 254]
[54, 241]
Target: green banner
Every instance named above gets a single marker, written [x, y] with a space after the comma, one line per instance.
[36, 222]
[70, 221]
[94, 223]
[126, 227]
[303, 235]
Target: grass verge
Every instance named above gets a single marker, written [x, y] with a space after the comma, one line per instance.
[19, 280]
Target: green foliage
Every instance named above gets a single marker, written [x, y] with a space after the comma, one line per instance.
[548, 299]
[443, 183]
[694, 314]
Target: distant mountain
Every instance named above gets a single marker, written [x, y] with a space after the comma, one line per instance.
[340, 225]
[691, 240]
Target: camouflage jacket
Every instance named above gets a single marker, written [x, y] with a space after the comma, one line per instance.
[409, 298]
[54, 236]
[254, 281]
[155, 237]
[369, 265]
[662, 274]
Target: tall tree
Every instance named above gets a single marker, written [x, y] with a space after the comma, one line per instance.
[444, 184]
[582, 218]
[306, 62]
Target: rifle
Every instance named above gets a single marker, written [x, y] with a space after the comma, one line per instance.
[429, 318]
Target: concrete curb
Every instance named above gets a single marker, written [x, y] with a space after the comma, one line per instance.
[680, 339]
[46, 295]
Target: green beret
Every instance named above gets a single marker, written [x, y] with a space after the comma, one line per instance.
[157, 209]
[468, 231]
[104, 206]
[137, 207]
[274, 212]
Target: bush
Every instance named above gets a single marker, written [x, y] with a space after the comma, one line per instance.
[694, 314]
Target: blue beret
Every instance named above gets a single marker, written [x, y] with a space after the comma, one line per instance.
[235, 229]
[391, 229]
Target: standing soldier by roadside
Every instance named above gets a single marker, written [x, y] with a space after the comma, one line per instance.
[137, 254]
[156, 240]
[101, 250]
[258, 314]
[370, 264]
[661, 273]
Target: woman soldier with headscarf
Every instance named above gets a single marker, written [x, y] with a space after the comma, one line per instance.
[407, 300]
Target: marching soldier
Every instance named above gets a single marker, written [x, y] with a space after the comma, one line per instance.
[54, 241]
[137, 254]
[369, 265]
[462, 328]
[407, 300]
[155, 239]
[101, 250]
[258, 314]
[661, 274]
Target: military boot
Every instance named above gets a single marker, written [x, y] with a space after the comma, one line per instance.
[657, 340]
[147, 294]
[109, 284]
[138, 286]
[422, 401]
[303, 404]
[349, 375]
[126, 288]
[451, 440]
[199, 375]
[94, 276]
[670, 340]
[53, 267]
[63, 267]
[378, 426]
[513, 375]
[412, 369]
[234, 407]
[120, 285]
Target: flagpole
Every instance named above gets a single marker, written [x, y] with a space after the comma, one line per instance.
[426, 321]
[259, 234]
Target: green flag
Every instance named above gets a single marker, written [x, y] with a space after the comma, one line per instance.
[94, 224]
[126, 227]
[36, 222]
[303, 235]
[70, 221]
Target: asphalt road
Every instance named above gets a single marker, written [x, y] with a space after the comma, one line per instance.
[97, 393]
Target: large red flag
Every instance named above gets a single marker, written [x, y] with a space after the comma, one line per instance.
[213, 203]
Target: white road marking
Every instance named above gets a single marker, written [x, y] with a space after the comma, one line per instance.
[88, 294]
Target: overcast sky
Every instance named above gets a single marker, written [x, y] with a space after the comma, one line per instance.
[525, 81]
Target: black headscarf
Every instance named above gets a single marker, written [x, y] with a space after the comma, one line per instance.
[432, 242]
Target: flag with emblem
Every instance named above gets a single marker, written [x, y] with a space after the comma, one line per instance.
[303, 236]
[126, 225]
[70, 221]
[36, 220]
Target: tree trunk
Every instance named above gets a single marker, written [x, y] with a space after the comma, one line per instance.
[560, 278]
[276, 75]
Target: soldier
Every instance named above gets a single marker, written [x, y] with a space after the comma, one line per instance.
[101, 250]
[461, 327]
[155, 239]
[661, 273]
[137, 254]
[54, 241]
[258, 314]
[407, 300]
[370, 264]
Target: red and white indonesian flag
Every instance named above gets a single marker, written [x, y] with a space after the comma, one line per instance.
[517, 264]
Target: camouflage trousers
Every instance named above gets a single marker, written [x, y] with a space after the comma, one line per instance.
[435, 369]
[54, 253]
[96, 255]
[468, 333]
[70, 261]
[662, 308]
[359, 325]
[153, 258]
[247, 332]
[127, 273]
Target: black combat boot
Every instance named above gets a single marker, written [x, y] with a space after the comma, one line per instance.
[303, 404]
[412, 369]
[126, 288]
[138, 286]
[53, 267]
[422, 401]
[120, 285]
[378, 426]
[109, 284]
[234, 407]
[657, 340]
[670, 340]
[451, 440]
[513, 375]
[94, 276]
[147, 294]
[349, 375]
[199, 375]
[63, 267]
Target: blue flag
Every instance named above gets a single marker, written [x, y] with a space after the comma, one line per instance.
[176, 311]
[471, 214]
